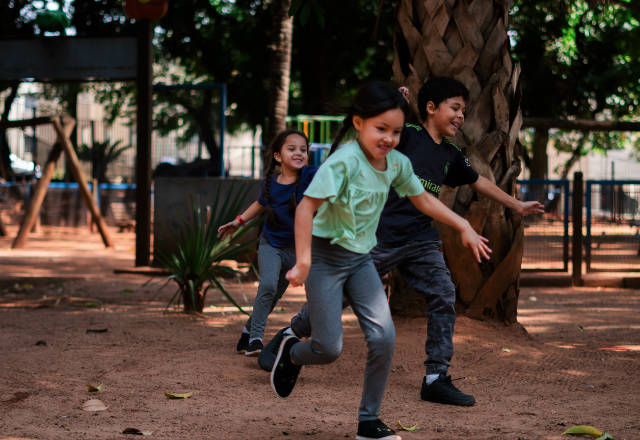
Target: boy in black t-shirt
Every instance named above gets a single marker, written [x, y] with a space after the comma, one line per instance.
[407, 240]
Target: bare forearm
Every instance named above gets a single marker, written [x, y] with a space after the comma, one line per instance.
[303, 232]
[488, 189]
[435, 209]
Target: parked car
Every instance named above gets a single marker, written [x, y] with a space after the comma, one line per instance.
[22, 167]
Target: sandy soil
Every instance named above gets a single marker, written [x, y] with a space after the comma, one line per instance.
[555, 374]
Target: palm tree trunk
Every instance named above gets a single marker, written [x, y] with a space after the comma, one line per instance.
[280, 68]
[468, 40]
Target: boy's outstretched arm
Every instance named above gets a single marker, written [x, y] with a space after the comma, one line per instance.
[435, 209]
[303, 231]
[488, 189]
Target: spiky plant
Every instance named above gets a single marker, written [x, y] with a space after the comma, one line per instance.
[101, 154]
[200, 253]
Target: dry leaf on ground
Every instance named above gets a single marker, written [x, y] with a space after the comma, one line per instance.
[135, 431]
[177, 396]
[583, 430]
[402, 428]
[94, 405]
[91, 388]
[506, 350]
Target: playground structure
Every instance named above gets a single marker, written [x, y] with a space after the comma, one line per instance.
[63, 126]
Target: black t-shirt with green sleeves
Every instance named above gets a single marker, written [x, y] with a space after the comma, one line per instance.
[435, 165]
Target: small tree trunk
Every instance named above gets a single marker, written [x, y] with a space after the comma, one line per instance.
[5, 163]
[539, 164]
[280, 67]
[187, 300]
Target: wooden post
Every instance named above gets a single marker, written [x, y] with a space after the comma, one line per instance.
[3, 229]
[94, 195]
[143, 153]
[74, 164]
[576, 243]
[39, 192]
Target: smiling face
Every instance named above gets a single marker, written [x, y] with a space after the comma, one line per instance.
[380, 134]
[447, 117]
[294, 153]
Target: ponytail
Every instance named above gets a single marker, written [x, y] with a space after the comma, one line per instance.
[371, 100]
[293, 204]
[271, 217]
[346, 125]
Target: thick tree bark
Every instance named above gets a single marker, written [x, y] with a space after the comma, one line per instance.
[468, 41]
[280, 68]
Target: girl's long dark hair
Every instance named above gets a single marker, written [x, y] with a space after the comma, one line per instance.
[371, 100]
[276, 147]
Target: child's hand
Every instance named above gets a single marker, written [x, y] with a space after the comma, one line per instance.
[297, 275]
[228, 229]
[477, 243]
[528, 208]
[405, 93]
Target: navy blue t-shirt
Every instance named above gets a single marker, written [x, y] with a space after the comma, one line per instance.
[435, 165]
[279, 199]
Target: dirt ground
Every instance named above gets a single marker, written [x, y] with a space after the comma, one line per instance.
[554, 375]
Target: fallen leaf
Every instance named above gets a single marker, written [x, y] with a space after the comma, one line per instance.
[41, 344]
[582, 329]
[97, 330]
[506, 350]
[91, 304]
[91, 388]
[128, 291]
[177, 396]
[402, 428]
[94, 405]
[606, 436]
[27, 286]
[583, 430]
[135, 431]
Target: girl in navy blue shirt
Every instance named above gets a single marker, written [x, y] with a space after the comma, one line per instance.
[279, 196]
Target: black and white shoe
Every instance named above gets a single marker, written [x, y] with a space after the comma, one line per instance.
[254, 348]
[268, 355]
[375, 429]
[443, 391]
[243, 343]
[285, 373]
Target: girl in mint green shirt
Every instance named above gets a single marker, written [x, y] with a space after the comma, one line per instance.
[348, 193]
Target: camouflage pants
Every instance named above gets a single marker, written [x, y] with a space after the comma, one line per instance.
[422, 266]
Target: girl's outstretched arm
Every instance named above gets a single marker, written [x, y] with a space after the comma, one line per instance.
[435, 209]
[252, 212]
[303, 229]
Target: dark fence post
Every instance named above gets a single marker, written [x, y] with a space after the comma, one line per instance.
[143, 147]
[576, 244]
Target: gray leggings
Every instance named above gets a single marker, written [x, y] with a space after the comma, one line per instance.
[335, 272]
[274, 263]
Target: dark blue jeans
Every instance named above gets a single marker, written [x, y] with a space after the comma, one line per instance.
[422, 265]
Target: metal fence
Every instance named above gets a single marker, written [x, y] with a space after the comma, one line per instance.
[63, 204]
[546, 237]
[612, 239]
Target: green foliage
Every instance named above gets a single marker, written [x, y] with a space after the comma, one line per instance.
[200, 251]
[102, 154]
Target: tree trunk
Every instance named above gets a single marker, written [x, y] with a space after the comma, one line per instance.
[539, 164]
[204, 118]
[5, 162]
[280, 68]
[468, 41]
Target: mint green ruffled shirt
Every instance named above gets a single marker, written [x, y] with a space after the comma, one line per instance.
[356, 193]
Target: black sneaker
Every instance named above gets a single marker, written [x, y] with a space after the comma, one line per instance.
[442, 390]
[254, 348]
[243, 343]
[268, 355]
[285, 373]
[375, 429]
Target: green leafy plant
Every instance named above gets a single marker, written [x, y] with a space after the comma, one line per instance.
[104, 154]
[200, 253]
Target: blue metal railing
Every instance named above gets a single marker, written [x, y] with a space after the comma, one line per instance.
[546, 191]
